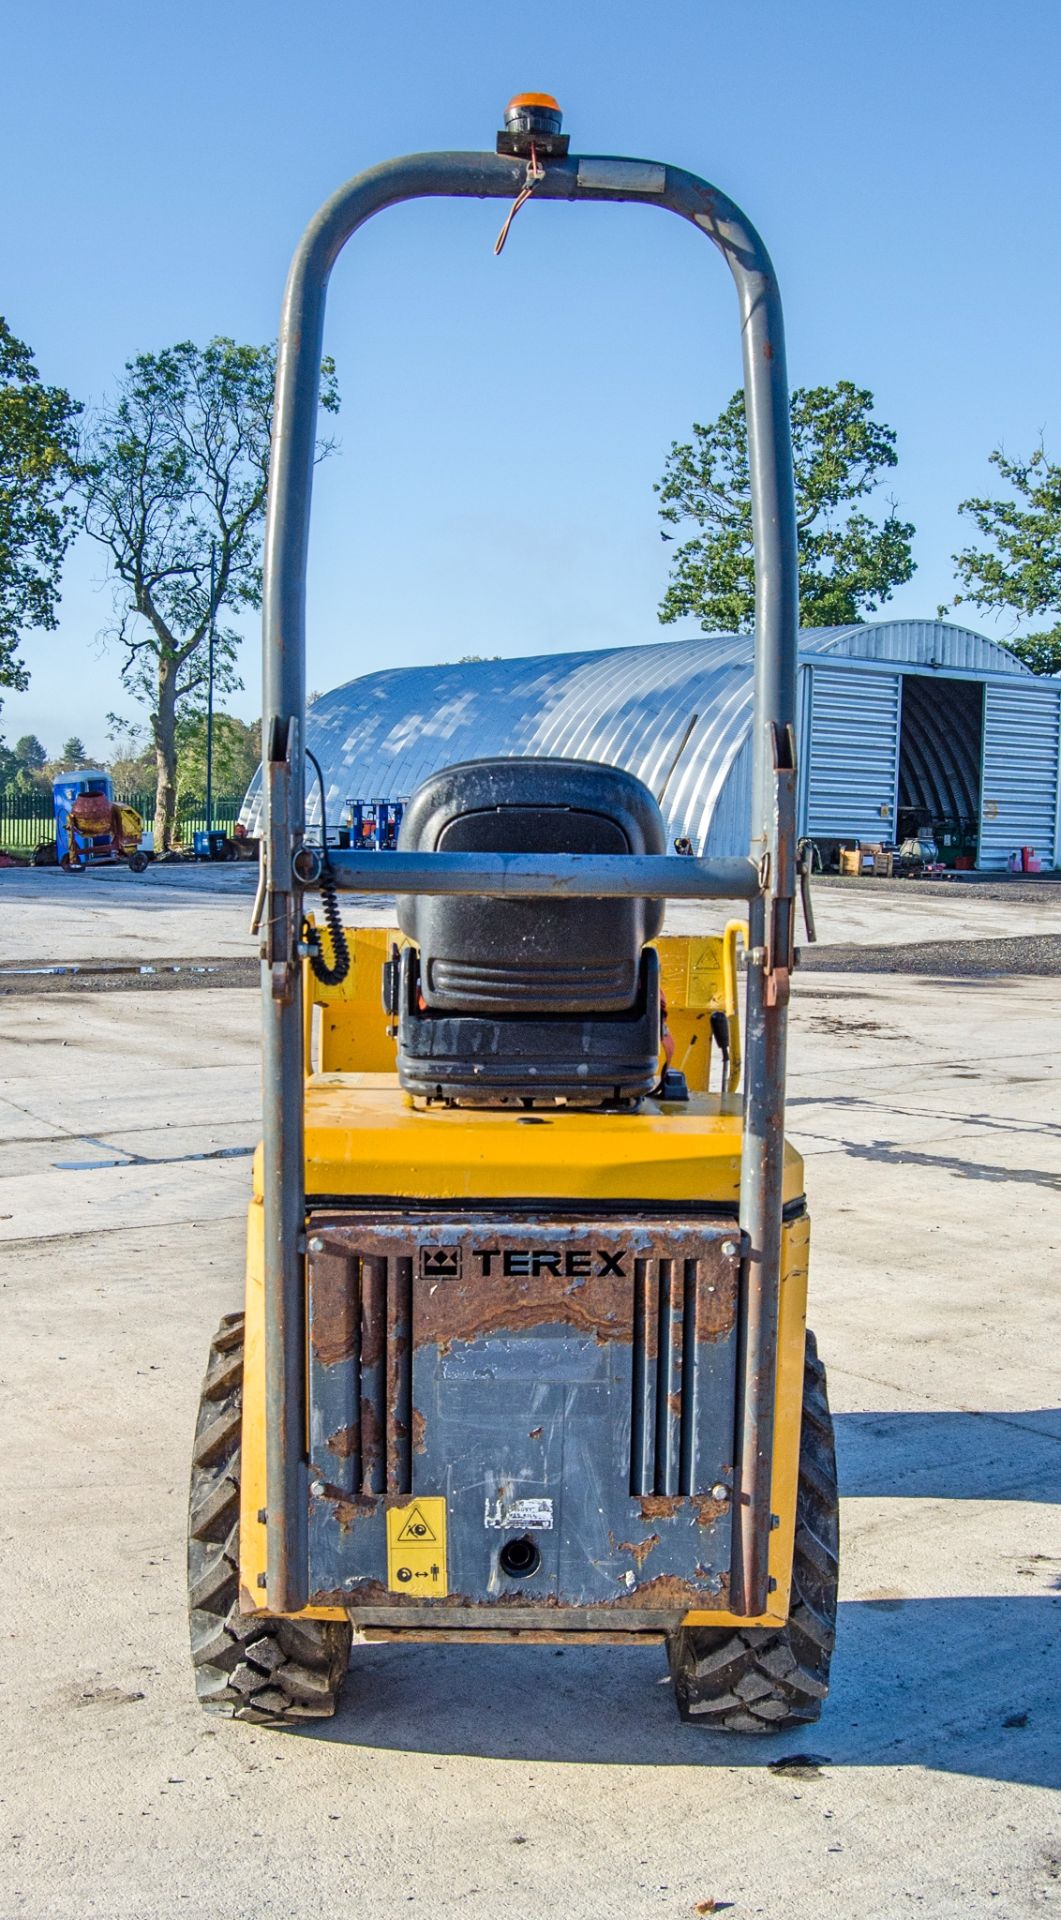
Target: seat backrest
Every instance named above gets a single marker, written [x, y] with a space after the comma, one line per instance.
[539, 955]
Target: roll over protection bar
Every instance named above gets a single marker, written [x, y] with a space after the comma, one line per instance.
[766, 880]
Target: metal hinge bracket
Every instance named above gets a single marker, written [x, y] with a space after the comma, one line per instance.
[278, 920]
[781, 914]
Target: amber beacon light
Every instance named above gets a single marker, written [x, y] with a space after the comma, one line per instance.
[533, 120]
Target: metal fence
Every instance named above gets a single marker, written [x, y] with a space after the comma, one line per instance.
[27, 818]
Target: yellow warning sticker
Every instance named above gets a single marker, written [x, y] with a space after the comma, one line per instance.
[416, 1549]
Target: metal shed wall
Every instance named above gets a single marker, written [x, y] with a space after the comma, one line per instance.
[1022, 747]
[678, 714]
[850, 748]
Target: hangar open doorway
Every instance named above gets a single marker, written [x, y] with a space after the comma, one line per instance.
[940, 770]
[893, 756]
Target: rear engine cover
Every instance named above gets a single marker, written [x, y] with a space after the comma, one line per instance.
[568, 1391]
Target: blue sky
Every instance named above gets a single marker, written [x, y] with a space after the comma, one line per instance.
[503, 421]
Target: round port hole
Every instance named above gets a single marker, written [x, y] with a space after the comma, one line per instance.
[519, 1558]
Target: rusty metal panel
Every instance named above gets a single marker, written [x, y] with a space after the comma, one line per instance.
[570, 1384]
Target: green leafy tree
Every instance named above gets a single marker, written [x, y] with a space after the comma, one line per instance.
[237, 751]
[131, 761]
[9, 767]
[25, 780]
[23, 767]
[176, 472]
[849, 562]
[38, 466]
[30, 753]
[1020, 572]
[74, 754]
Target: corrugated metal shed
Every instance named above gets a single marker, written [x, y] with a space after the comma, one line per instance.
[1022, 746]
[678, 714]
[851, 750]
[936, 644]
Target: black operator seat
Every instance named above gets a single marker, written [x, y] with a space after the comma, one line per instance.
[538, 997]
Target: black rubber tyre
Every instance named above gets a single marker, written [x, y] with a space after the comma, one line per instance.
[768, 1679]
[275, 1671]
[138, 862]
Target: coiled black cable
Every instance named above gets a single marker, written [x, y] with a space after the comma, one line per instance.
[331, 976]
[334, 975]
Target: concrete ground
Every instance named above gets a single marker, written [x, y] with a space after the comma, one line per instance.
[460, 1780]
[188, 913]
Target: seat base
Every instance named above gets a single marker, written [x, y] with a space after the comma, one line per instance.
[526, 1060]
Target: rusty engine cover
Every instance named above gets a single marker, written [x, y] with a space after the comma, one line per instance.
[569, 1385]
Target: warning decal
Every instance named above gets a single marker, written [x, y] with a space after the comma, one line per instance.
[416, 1528]
[416, 1549]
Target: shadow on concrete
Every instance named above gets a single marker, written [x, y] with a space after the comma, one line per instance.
[951, 1456]
[963, 982]
[893, 1153]
[965, 1686]
[968, 1117]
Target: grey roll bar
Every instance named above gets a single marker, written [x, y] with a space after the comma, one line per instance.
[768, 877]
[631, 876]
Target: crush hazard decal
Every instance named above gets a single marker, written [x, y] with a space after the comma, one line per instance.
[416, 1549]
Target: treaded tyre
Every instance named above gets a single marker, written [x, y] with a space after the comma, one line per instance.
[767, 1679]
[274, 1671]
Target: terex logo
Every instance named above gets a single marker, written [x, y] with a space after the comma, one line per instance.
[440, 1263]
[573, 1263]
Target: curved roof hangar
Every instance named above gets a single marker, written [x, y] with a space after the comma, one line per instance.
[676, 713]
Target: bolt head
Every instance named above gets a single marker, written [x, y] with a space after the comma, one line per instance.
[316, 1245]
[730, 1249]
[719, 1492]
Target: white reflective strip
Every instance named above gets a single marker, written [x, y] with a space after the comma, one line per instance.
[623, 176]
